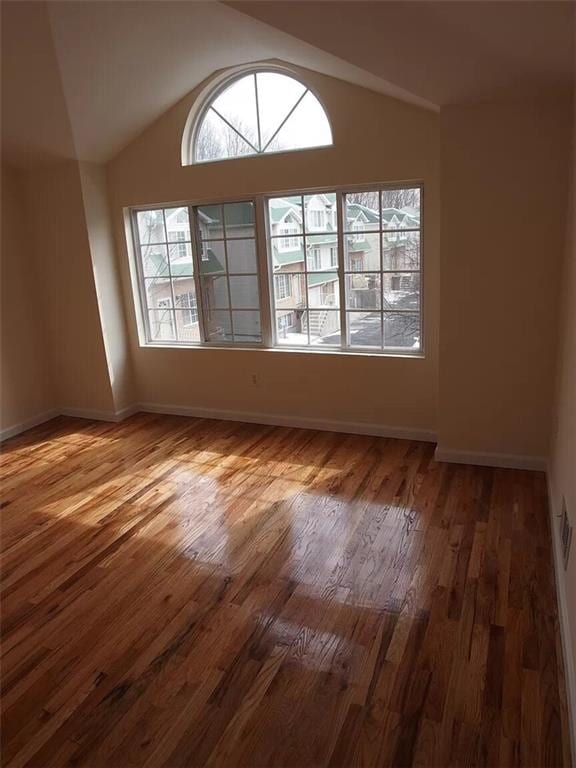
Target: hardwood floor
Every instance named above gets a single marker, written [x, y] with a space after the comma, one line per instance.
[186, 592]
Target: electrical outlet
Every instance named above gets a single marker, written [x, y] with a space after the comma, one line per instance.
[565, 533]
[255, 379]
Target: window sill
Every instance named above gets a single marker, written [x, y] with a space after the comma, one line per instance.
[292, 350]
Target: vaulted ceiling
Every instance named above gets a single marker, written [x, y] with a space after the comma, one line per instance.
[446, 52]
[82, 79]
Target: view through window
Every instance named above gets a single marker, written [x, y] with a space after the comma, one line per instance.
[259, 113]
[343, 267]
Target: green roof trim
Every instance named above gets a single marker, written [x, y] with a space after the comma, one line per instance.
[211, 264]
[319, 278]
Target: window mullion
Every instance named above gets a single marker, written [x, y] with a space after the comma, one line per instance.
[305, 250]
[173, 309]
[137, 245]
[196, 255]
[265, 277]
[341, 270]
[380, 249]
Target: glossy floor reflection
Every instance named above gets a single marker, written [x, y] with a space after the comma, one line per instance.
[185, 592]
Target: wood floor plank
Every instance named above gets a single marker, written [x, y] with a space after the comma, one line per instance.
[192, 592]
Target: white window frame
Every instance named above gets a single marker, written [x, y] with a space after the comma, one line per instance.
[191, 307]
[288, 240]
[283, 279]
[266, 274]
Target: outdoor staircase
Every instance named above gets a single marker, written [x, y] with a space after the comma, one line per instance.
[317, 322]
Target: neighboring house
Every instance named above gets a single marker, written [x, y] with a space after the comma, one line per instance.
[293, 312]
[400, 252]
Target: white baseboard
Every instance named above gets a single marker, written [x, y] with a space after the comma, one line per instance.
[88, 413]
[564, 621]
[33, 421]
[504, 460]
[301, 422]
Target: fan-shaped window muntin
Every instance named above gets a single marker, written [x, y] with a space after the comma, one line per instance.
[260, 112]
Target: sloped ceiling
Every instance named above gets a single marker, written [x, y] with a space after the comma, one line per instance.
[122, 64]
[84, 78]
[447, 52]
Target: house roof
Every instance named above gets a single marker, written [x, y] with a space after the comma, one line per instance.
[319, 278]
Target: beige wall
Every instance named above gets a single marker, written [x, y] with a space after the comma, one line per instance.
[26, 380]
[107, 283]
[504, 186]
[62, 248]
[562, 465]
[376, 139]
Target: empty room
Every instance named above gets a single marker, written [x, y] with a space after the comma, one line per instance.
[288, 384]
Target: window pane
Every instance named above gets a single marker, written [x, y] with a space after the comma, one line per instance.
[184, 293]
[285, 212]
[401, 330]
[180, 259]
[212, 257]
[320, 213]
[365, 329]
[237, 104]
[277, 94]
[323, 290]
[291, 328]
[322, 251]
[401, 290]
[307, 126]
[288, 251]
[239, 219]
[244, 292]
[363, 291]
[324, 327]
[217, 141]
[217, 326]
[289, 291]
[209, 219]
[154, 260]
[361, 212]
[151, 227]
[158, 293]
[401, 208]
[215, 292]
[401, 250]
[177, 224]
[362, 252]
[246, 326]
[161, 322]
[187, 326]
[242, 256]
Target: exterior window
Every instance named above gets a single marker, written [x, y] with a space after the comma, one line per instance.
[202, 271]
[258, 113]
[316, 219]
[315, 258]
[190, 308]
[283, 286]
[288, 242]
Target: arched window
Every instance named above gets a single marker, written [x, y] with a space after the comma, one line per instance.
[254, 114]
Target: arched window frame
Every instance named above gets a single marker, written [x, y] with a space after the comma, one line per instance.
[217, 86]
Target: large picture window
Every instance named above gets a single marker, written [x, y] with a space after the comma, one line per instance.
[336, 269]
